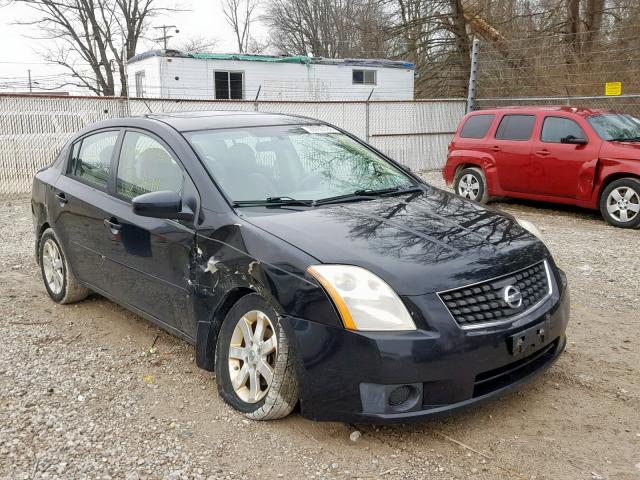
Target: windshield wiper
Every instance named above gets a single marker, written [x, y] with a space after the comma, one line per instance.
[391, 190]
[367, 194]
[625, 139]
[273, 202]
[372, 192]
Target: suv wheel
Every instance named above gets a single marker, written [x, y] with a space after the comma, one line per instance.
[254, 364]
[60, 282]
[620, 203]
[471, 183]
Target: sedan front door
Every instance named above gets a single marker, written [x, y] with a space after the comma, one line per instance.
[562, 169]
[151, 256]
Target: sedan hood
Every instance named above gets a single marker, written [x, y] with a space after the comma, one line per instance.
[419, 242]
[621, 150]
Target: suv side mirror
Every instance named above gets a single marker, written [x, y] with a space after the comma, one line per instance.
[570, 139]
[162, 204]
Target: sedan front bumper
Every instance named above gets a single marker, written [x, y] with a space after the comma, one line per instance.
[438, 370]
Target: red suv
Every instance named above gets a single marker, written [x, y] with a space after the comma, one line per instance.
[578, 156]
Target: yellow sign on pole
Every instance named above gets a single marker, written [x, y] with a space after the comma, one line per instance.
[613, 89]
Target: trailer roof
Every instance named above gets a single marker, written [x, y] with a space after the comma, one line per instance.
[302, 59]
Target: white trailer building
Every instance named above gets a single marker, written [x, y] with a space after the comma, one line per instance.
[172, 74]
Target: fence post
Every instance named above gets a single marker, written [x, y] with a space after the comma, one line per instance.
[255, 102]
[367, 135]
[473, 75]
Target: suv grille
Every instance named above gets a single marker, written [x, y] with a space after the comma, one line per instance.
[485, 302]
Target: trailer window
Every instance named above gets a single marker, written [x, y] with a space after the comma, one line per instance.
[229, 85]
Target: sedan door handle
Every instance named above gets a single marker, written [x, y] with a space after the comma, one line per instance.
[543, 153]
[494, 148]
[113, 225]
[62, 198]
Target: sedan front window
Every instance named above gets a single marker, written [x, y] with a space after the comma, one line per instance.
[302, 162]
[616, 127]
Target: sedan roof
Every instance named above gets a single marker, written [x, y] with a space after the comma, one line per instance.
[209, 120]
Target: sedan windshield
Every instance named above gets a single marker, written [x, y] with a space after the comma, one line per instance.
[616, 127]
[293, 163]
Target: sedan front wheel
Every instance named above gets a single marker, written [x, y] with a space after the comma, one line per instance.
[254, 364]
[620, 203]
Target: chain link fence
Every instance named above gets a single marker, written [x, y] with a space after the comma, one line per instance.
[623, 103]
[33, 129]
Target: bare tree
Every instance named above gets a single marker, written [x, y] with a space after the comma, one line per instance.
[240, 14]
[328, 28]
[92, 39]
[197, 44]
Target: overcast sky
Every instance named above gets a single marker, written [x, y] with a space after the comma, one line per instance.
[20, 53]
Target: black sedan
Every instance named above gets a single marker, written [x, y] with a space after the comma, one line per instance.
[305, 266]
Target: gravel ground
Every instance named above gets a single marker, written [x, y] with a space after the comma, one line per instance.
[83, 396]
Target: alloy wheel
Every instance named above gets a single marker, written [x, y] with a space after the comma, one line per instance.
[469, 187]
[623, 204]
[53, 266]
[252, 356]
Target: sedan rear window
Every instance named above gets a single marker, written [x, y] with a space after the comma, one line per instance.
[302, 162]
[477, 126]
[516, 127]
[91, 159]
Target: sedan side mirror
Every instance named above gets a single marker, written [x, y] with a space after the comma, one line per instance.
[162, 204]
[570, 139]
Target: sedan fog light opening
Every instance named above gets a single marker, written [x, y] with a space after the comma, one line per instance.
[363, 300]
[399, 398]
[400, 395]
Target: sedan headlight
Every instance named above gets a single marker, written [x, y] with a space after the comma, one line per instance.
[364, 300]
[530, 227]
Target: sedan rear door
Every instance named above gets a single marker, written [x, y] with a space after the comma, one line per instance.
[79, 205]
[511, 148]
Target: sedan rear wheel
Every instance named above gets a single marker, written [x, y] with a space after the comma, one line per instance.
[620, 203]
[254, 364]
[60, 282]
[471, 183]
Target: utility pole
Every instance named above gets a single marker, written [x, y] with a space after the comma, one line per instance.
[30, 87]
[164, 36]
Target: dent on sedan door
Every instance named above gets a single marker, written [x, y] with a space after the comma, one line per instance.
[150, 258]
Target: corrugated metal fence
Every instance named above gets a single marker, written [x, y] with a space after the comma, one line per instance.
[34, 128]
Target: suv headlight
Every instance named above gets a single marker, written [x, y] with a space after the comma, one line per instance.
[364, 300]
[530, 227]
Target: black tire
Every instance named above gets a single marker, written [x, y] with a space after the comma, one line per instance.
[281, 395]
[69, 289]
[480, 194]
[615, 212]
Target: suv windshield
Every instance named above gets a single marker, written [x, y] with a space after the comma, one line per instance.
[293, 163]
[616, 127]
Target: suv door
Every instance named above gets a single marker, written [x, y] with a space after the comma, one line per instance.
[151, 256]
[79, 205]
[511, 148]
[557, 166]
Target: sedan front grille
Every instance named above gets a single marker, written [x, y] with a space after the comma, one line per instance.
[486, 302]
